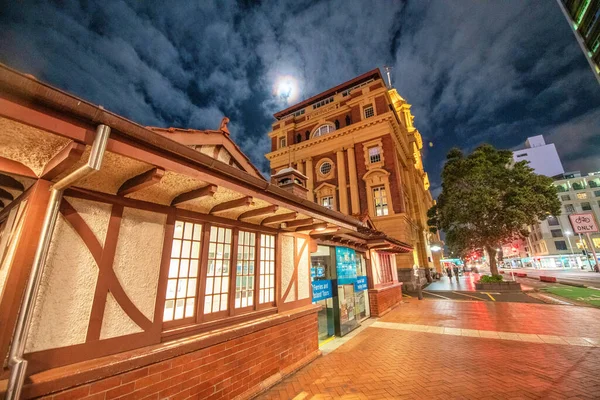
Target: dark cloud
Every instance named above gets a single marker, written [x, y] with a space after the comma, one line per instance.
[474, 71]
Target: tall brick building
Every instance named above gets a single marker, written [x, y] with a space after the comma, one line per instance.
[358, 147]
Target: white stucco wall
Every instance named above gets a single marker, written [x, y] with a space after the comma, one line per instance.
[115, 322]
[138, 256]
[64, 302]
[287, 266]
[95, 214]
[303, 270]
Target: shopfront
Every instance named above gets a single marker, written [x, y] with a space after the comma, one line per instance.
[339, 282]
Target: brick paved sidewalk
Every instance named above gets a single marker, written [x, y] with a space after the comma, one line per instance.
[401, 363]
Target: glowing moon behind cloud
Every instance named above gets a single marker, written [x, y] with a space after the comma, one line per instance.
[286, 88]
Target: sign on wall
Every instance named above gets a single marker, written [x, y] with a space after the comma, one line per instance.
[321, 290]
[345, 260]
[583, 223]
[360, 284]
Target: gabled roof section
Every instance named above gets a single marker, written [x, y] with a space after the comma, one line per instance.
[214, 143]
[373, 74]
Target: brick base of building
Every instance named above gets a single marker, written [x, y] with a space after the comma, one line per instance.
[238, 368]
[381, 300]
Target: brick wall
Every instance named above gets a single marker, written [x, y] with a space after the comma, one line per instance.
[381, 105]
[382, 300]
[238, 368]
[390, 166]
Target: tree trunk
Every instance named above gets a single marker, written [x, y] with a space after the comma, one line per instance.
[492, 255]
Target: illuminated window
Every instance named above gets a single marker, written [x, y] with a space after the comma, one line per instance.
[282, 142]
[374, 155]
[266, 282]
[217, 274]
[385, 264]
[586, 206]
[596, 242]
[183, 272]
[582, 196]
[244, 280]
[327, 202]
[369, 112]
[380, 201]
[323, 130]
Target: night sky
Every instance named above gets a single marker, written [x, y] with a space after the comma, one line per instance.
[474, 71]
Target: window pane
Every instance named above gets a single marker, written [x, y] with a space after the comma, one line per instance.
[219, 259]
[179, 309]
[169, 306]
[189, 307]
[173, 268]
[267, 269]
[177, 234]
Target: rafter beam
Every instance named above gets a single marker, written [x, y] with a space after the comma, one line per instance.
[259, 211]
[1, 204]
[8, 182]
[315, 227]
[64, 160]
[229, 205]
[141, 181]
[15, 167]
[5, 195]
[279, 218]
[206, 191]
[299, 222]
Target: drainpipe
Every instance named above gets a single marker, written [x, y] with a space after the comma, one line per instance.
[18, 365]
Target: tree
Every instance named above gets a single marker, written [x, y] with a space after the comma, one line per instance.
[487, 200]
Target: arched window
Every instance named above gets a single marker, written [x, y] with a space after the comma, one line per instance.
[298, 138]
[323, 130]
[348, 120]
[337, 124]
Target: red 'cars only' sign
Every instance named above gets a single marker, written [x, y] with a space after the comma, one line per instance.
[583, 223]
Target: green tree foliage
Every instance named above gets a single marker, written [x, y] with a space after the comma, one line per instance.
[488, 200]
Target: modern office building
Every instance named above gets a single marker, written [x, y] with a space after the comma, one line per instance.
[542, 157]
[584, 19]
[553, 243]
[361, 154]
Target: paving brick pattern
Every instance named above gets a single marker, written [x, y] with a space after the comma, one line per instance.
[382, 363]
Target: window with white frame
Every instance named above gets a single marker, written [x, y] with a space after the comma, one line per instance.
[282, 142]
[323, 130]
[180, 301]
[244, 280]
[369, 112]
[380, 201]
[217, 270]
[374, 154]
[266, 282]
[327, 201]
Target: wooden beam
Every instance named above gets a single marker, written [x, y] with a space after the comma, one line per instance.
[62, 161]
[230, 205]
[206, 191]
[15, 167]
[300, 222]
[8, 182]
[259, 211]
[141, 181]
[5, 195]
[317, 227]
[1, 204]
[279, 218]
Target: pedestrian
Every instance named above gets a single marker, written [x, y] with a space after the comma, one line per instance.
[456, 272]
[449, 272]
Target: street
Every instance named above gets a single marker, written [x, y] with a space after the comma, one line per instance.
[455, 350]
[577, 276]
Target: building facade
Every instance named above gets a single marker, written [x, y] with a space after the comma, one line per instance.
[144, 262]
[542, 157]
[361, 154]
[552, 242]
[584, 19]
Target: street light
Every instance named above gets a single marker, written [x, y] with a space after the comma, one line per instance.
[435, 247]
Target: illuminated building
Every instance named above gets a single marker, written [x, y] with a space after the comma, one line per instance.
[142, 262]
[584, 19]
[361, 154]
[542, 157]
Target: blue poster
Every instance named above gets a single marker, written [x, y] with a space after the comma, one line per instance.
[360, 284]
[321, 290]
[346, 265]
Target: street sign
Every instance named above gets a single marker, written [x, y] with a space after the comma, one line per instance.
[583, 223]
